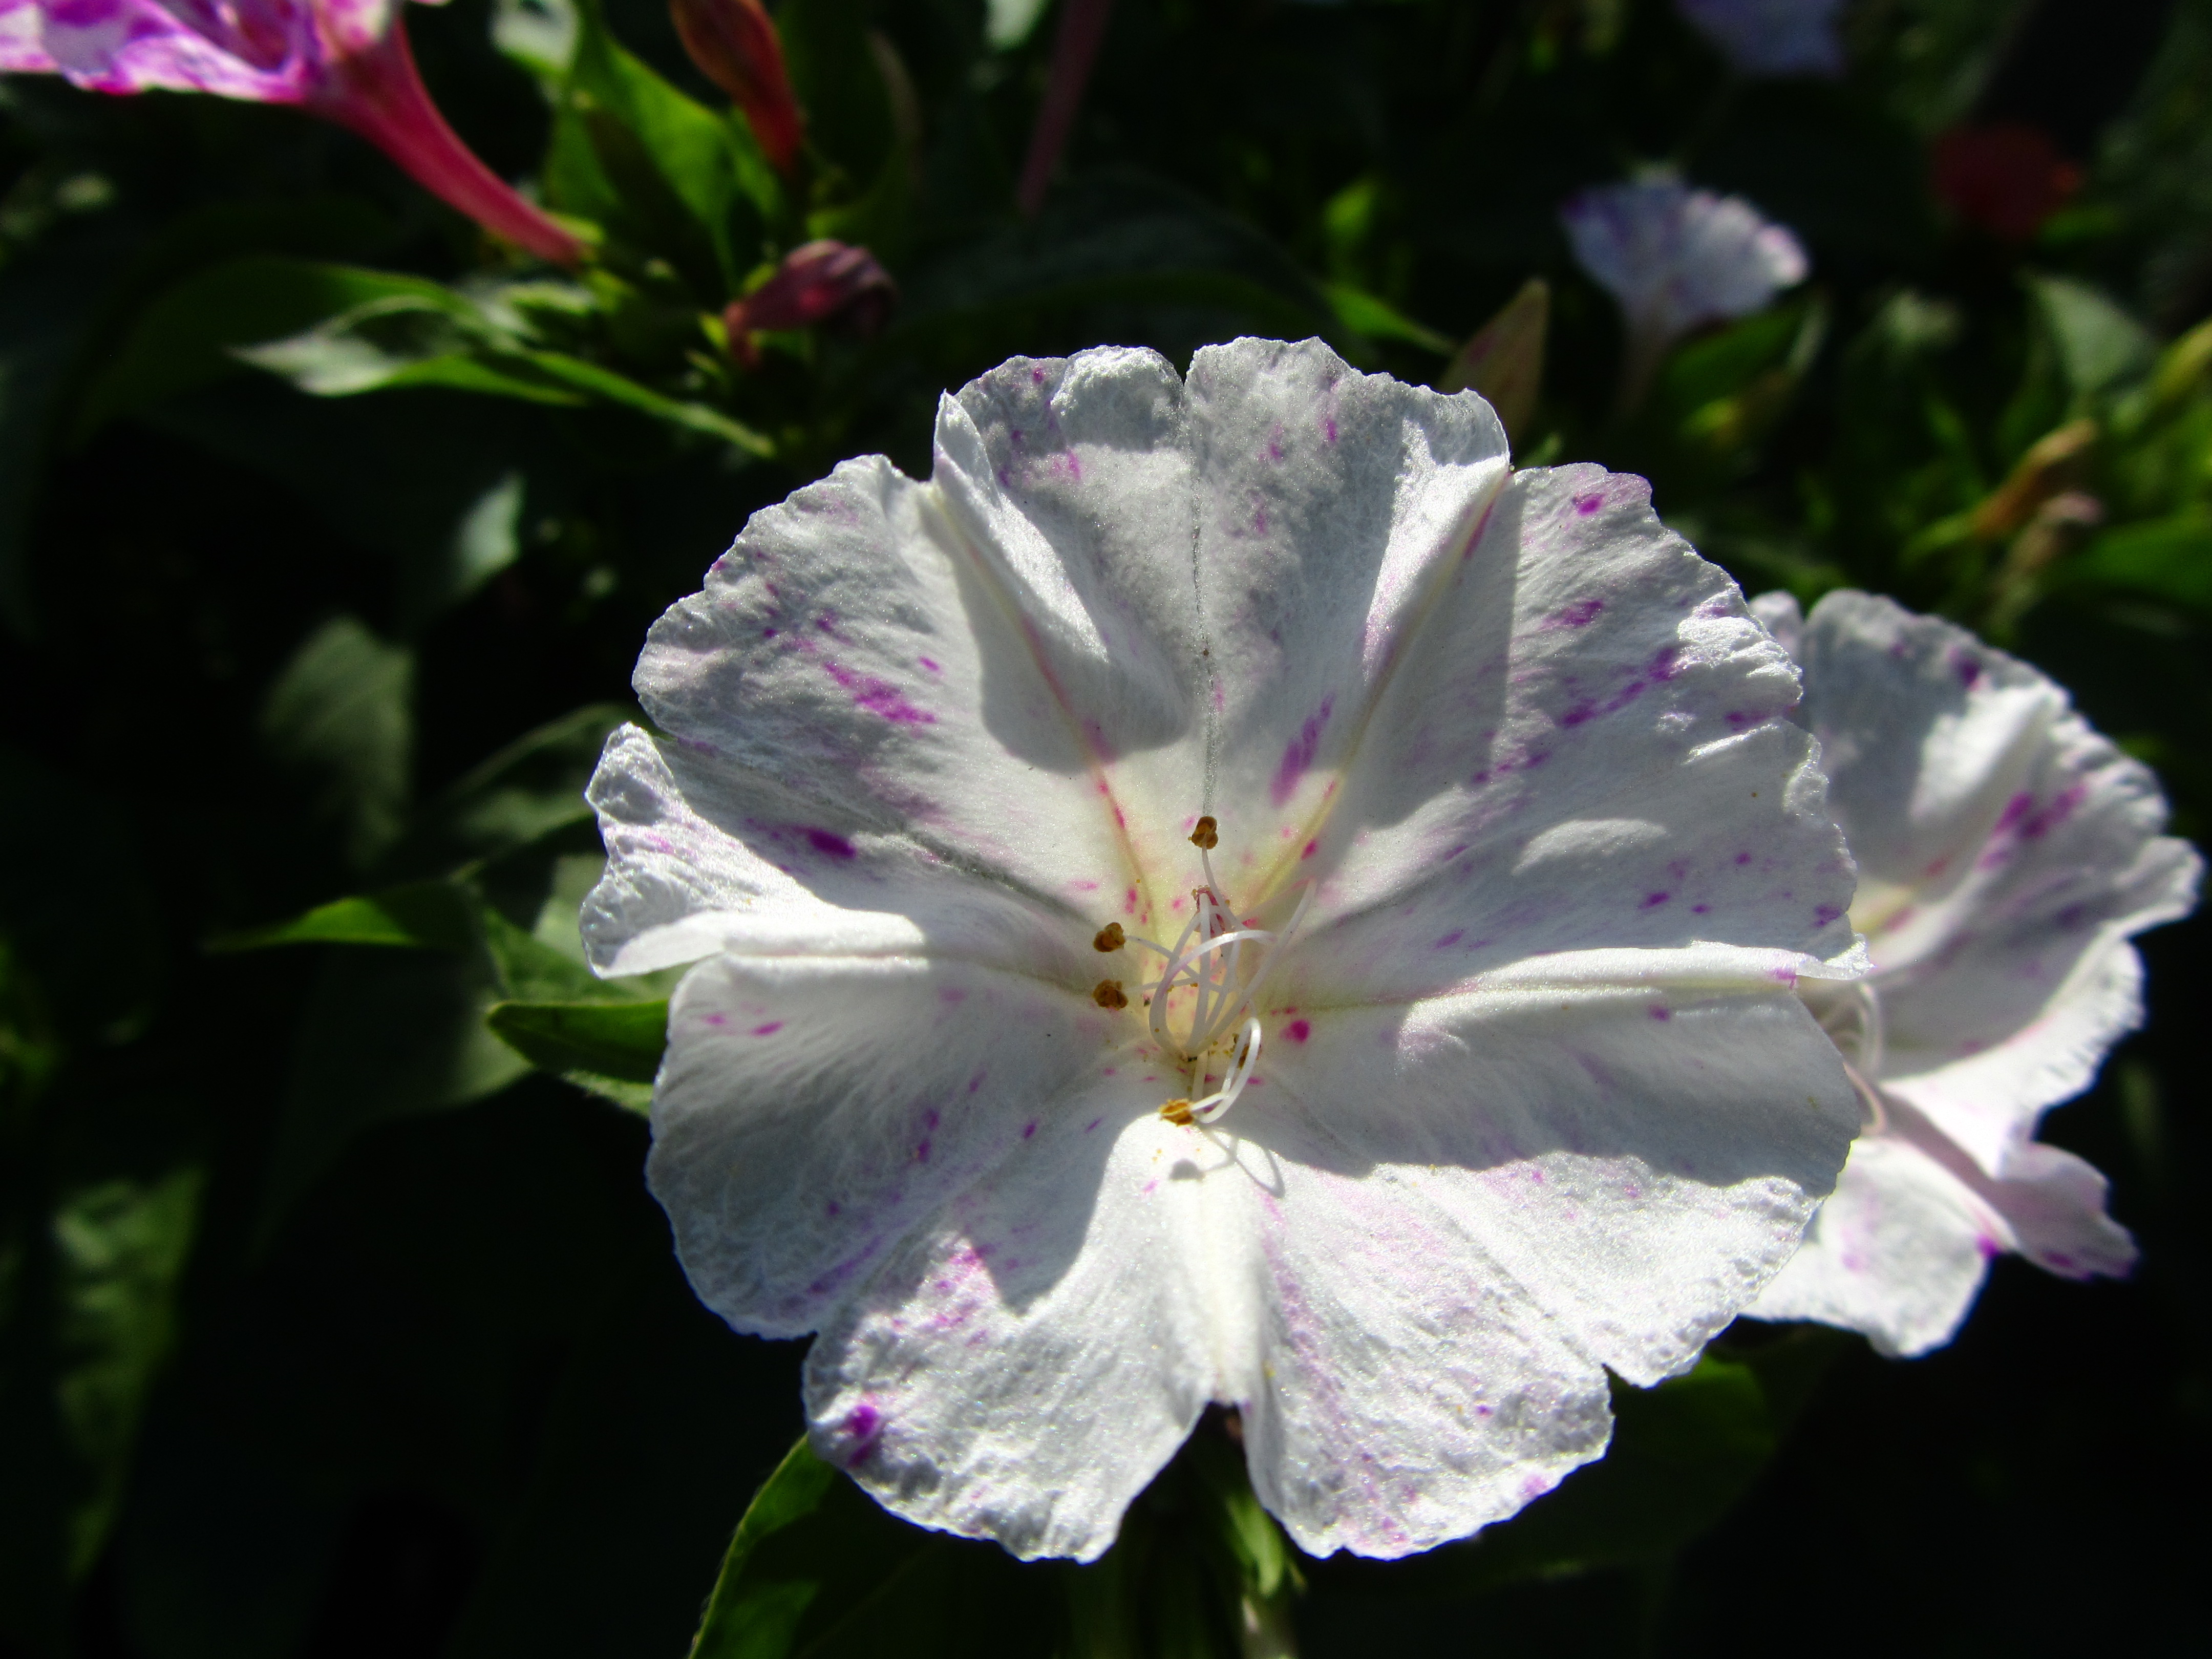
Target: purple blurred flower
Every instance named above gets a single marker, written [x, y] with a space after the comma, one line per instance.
[1771, 37]
[1676, 258]
[346, 60]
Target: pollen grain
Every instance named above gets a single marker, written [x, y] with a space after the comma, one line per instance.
[1109, 994]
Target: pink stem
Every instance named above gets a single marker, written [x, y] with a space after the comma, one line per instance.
[380, 94]
[1081, 27]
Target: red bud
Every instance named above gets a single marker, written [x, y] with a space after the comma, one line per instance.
[735, 45]
[821, 282]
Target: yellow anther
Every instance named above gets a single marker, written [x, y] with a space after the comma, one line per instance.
[1205, 837]
[1177, 1112]
[1109, 994]
[1110, 938]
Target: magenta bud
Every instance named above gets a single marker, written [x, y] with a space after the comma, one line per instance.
[819, 282]
[735, 45]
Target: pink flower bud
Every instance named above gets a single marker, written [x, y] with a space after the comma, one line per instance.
[821, 281]
[735, 45]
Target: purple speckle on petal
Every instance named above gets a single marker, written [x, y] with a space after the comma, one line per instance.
[1586, 505]
[1662, 1013]
[1093, 1124]
[1298, 1030]
[921, 1151]
[1826, 913]
[830, 845]
[717, 1019]
[768, 1029]
[930, 665]
[1652, 900]
[1581, 614]
[1699, 909]
[1028, 1128]
[1451, 938]
[1298, 753]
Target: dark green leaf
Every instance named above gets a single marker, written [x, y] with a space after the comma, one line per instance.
[818, 1569]
[341, 714]
[2169, 559]
[388, 1034]
[189, 335]
[423, 916]
[618, 1040]
[663, 174]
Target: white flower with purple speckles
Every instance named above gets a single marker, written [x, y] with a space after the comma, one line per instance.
[1225, 893]
[1676, 260]
[2006, 854]
[1771, 37]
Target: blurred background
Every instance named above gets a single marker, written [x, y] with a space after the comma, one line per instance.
[329, 1327]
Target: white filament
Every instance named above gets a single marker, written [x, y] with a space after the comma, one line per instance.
[1212, 966]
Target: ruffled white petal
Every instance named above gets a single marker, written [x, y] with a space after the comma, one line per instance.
[1408, 1260]
[1585, 749]
[812, 1113]
[1026, 1358]
[1476, 1205]
[2006, 852]
[702, 858]
[1901, 1250]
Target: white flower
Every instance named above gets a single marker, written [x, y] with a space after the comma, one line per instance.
[1479, 1070]
[2006, 854]
[1771, 37]
[1676, 260]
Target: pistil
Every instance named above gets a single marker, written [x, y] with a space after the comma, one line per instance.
[1208, 957]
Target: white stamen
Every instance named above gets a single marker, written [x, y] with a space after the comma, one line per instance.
[1217, 1104]
[1212, 969]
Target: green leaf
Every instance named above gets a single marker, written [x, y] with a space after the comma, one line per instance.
[817, 1568]
[2100, 348]
[191, 335]
[341, 714]
[418, 341]
[2168, 558]
[746, 1619]
[1379, 319]
[119, 1250]
[619, 1040]
[663, 174]
[610, 387]
[531, 789]
[423, 916]
[387, 1035]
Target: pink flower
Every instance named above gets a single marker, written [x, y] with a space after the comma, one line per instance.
[817, 282]
[345, 60]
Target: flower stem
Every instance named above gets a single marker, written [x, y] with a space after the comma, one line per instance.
[380, 94]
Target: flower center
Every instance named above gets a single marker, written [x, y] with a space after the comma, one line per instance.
[1202, 1005]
